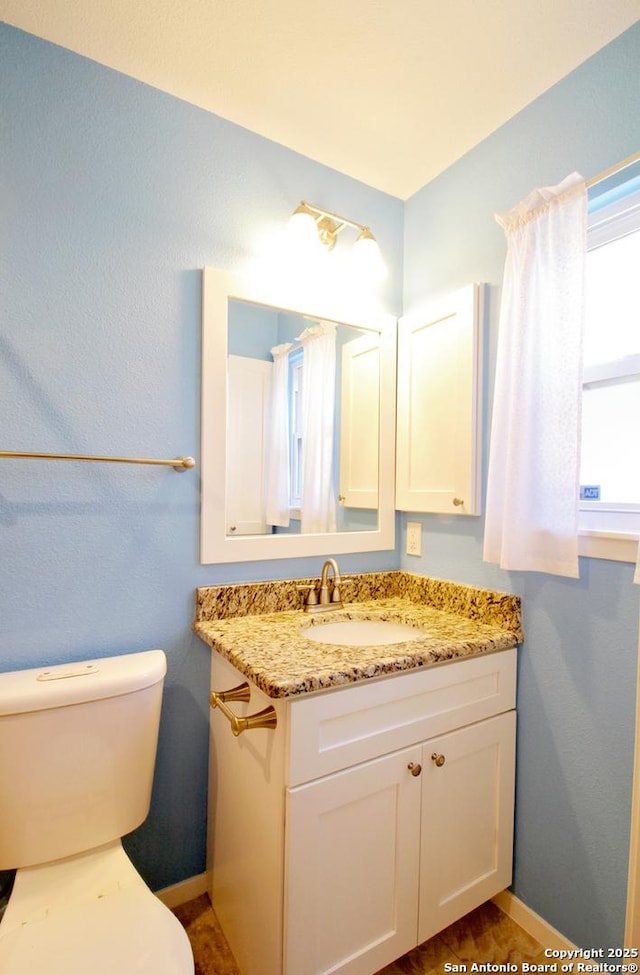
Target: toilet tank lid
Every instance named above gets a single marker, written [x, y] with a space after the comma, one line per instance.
[79, 682]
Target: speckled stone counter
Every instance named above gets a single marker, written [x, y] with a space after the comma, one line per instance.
[259, 628]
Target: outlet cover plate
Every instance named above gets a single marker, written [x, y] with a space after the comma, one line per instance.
[414, 538]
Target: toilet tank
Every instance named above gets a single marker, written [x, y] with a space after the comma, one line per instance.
[77, 754]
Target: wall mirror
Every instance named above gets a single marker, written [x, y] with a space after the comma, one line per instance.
[283, 382]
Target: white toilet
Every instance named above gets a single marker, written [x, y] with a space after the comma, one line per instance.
[77, 754]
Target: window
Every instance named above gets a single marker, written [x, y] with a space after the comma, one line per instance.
[610, 471]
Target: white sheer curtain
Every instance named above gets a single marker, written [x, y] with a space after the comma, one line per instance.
[534, 463]
[277, 465]
[318, 506]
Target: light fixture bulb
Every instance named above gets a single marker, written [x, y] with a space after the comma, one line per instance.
[303, 229]
[367, 256]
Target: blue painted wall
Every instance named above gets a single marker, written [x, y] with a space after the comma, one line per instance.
[577, 677]
[113, 195]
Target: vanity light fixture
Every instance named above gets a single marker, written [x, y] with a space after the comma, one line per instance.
[312, 225]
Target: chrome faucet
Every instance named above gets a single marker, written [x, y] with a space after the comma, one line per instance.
[324, 602]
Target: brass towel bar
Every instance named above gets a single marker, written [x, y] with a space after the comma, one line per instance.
[178, 463]
[263, 719]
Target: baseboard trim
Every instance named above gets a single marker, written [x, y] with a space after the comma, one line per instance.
[185, 891]
[511, 905]
[531, 922]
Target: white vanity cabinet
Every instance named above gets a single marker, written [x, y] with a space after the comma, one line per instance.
[371, 818]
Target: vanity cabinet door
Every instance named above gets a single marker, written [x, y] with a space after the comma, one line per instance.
[352, 842]
[467, 820]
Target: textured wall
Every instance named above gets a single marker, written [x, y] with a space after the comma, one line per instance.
[113, 196]
[577, 676]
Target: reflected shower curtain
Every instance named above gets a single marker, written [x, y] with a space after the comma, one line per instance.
[277, 465]
[318, 506]
[534, 462]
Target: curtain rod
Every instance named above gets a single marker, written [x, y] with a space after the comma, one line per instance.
[178, 463]
[612, 170]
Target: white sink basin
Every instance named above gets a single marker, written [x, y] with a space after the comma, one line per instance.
[358, 633]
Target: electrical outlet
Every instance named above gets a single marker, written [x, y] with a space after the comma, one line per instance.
[414, 538]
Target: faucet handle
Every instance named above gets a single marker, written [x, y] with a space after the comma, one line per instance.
[335, 592]
[312, 596]
[349, 580]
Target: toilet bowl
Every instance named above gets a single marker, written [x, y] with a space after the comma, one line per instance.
[90, 913]
[77, 747]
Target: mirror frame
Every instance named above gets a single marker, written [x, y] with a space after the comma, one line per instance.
[218, 287]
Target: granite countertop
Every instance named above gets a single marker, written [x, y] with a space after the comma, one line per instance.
[255, 629]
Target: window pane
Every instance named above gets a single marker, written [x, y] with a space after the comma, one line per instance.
[613, 300]
[610, 451]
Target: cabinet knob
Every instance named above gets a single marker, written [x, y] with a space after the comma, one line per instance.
[414, 768]
[438, 759]
[458, 502]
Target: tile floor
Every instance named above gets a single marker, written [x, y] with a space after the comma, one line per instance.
[486, 935]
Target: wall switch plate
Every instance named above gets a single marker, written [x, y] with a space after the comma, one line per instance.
[414, 538]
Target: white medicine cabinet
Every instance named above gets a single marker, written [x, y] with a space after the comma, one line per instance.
[438, 447]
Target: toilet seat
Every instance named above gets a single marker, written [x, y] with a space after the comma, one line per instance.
[91, 913]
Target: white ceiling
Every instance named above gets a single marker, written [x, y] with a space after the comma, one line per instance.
[389, 91]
